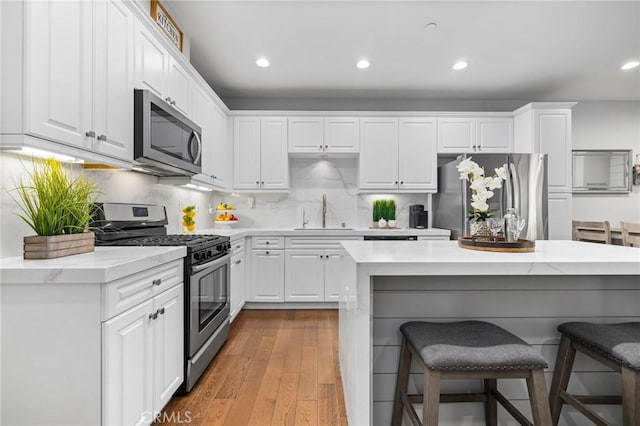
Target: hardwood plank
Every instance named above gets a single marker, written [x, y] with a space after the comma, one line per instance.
[308, 386]
[306, 413]
[247, 394]
[328, 406]
[217, 412]
[285, 409]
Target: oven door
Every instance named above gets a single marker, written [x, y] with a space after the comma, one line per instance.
[208, 300]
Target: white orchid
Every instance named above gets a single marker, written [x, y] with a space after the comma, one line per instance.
[482, 187]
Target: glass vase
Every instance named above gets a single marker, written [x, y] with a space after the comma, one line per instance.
[479, 228]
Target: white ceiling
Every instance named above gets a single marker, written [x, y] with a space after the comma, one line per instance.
[532, 51]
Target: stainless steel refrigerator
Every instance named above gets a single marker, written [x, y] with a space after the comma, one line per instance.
[525, 189]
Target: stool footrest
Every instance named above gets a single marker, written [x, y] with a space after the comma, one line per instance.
[578, 405]
[452, 397]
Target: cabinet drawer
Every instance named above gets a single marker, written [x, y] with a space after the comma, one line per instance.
[237, 246]
[267, 242]
[122, 294]
[332, 242]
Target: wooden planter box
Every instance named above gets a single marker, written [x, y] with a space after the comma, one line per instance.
[36, 247]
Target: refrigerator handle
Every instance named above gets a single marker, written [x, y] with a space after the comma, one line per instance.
[514, 192]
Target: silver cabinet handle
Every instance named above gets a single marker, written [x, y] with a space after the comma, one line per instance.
[102, 138]
[326, 146]
[238, 246]
[161, 311]
[266, 252]
[173, 102]
[261, 182]
[266, 242]
[237, 262]
[321, 147]
[90, 134]
[168, 99]
[153, 315]
[157, 282]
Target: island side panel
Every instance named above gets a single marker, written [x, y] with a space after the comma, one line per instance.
[51, 352]
[529, 306]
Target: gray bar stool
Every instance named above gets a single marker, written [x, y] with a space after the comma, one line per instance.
[614, 345]
[468, 350]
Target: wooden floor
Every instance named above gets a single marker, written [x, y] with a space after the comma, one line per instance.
[279, 367]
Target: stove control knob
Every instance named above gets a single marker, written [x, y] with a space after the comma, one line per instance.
[209, 253]
[196, 256]
[220, 247]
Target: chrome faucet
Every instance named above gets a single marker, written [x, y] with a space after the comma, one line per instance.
[305, 221]
[324, 210]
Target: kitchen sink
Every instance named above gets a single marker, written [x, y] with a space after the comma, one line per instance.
[323, 229]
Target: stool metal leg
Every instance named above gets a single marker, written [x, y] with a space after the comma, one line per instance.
[431, 397]
[402, 382]
[561, 374]
[491, 406]
[538, 397]
[630, 397]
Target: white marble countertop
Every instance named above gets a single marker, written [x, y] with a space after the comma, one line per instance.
[553, 257]
[315, 232]
[103, 265]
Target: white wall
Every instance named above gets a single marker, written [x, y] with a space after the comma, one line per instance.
[607, 125]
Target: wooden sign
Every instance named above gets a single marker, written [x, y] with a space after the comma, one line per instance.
[166, 22]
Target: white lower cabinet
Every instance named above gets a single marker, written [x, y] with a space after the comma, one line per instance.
[267, 276]
[237, 287]
[143, 359]
[314, 275]
[338, 269]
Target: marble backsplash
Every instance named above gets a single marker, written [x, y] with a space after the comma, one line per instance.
[309, 180]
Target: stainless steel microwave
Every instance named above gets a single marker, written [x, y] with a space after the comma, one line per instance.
[165, 142]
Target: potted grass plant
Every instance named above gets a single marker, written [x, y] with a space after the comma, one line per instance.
[391, 214]
[58, 207]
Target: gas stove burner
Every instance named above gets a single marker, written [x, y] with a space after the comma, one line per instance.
[173, 240]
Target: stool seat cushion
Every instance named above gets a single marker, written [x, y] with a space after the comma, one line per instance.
[470, 345]
[618, 342]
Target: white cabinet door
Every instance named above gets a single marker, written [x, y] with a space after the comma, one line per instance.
[553, 136]
[495, 135]
[306, 135]
[179, 87]
[114, 79]
[274, 160]
[338, 271]
[560, 216]
[219, 144]
[456, 134]
[267, 275]
[379, 153]
[237, 286]
[152, 62]
[304, 276]
[342, 135]
[127, 367]
[58, 46]
[246, 152]
[417, 154]
[168, 346]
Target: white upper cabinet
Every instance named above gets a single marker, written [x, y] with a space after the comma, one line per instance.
[472, 134]
[328, 135]
[152, 62]
[545, 128]
[114, 77]
[160, 73]
[398, 154]
[179, 87]
[260, 153]
[213, 122]
[80, 75]
[417, 156]
[379, 153]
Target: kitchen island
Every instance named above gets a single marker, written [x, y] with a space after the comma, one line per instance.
[529, 294]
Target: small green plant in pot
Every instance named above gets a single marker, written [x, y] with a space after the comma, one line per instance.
[391, 213]
[58, 208]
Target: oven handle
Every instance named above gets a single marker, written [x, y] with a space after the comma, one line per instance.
[213, 263]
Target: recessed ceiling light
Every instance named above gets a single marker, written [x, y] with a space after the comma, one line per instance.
[460, 65]
[630, 65]
[262, 62]
[363, 63]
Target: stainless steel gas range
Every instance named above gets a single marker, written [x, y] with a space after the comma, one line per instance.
[206, 275]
